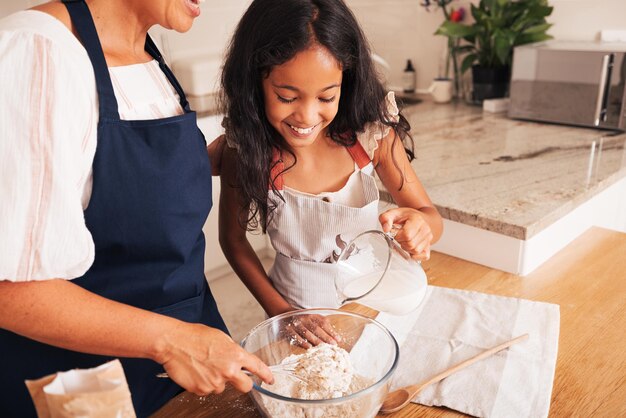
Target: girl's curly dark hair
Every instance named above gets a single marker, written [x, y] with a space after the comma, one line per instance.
[270, 33]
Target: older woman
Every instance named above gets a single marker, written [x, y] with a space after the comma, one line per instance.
[104, 189]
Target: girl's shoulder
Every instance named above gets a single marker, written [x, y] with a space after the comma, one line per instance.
[374, 132]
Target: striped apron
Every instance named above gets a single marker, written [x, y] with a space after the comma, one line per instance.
[308, 232]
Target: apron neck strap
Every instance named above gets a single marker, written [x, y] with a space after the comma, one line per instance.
[356, 151]
[84, 25]
[358, 154]
[152, 49]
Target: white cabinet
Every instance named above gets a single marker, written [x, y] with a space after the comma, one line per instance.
[214, 259]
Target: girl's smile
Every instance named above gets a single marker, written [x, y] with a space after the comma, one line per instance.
[302, 132]
[302, 95]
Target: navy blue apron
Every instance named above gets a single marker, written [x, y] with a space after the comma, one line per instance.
[151, 196]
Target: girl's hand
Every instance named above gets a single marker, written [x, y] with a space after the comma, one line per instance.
[415, 235]
[202, 359]
[310, 330]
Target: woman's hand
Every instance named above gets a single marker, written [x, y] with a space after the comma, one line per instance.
[310, 330]
[202, 359]
[415, 235]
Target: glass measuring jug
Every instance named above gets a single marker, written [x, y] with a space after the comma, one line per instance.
[375, 271]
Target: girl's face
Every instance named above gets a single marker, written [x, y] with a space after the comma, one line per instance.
[302, 95]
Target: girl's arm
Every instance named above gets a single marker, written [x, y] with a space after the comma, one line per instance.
[421, 223]
[312, 329]
[215, 150]
[235, 244]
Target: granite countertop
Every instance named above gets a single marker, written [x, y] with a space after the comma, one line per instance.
[509, 176]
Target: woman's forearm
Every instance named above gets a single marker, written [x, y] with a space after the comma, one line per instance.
[60, 313]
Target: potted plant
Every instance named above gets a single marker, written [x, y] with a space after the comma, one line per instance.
[499, 26]
[452, 14]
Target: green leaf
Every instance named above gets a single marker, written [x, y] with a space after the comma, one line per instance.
[454, 30]
[532, 38]
[479, 15]
[488, 4]
[539, 12]
[467, 62]
[465, 48]
[541, 28]
[498, 26]
[470, 39]
[503, 45]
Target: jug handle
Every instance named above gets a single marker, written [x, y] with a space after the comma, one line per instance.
[391, 235]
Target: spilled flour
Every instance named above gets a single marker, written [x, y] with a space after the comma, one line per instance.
[327, 373]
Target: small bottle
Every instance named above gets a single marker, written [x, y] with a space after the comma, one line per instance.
[408, 78]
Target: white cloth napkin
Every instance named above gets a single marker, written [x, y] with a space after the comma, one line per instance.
[452, 325]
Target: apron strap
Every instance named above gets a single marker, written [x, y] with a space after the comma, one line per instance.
[152, 49]
[83, 22]
[356, 151]
[359, 155]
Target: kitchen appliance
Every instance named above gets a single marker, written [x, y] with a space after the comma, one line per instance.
[572, 83]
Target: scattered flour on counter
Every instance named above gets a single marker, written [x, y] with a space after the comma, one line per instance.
[329, 374]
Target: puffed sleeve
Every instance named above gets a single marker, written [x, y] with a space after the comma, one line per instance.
[47, 141]
[376, 131]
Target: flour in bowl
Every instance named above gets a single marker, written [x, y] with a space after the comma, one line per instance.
[327, 373]
[327, 370]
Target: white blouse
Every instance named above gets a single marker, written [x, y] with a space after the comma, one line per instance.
[48, 124]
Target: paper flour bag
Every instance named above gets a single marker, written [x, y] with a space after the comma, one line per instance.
[101, 392]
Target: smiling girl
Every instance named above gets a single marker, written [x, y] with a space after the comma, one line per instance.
[308, 123]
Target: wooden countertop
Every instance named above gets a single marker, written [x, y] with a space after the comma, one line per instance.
[587, 279]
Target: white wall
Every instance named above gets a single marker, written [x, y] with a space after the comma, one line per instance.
[397, 29]
[210, 33]
[401, 29]
[10, 6]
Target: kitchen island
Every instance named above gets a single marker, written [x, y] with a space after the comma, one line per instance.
[513, 193]
[587, 279]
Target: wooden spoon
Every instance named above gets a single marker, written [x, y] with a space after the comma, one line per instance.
[398, 399]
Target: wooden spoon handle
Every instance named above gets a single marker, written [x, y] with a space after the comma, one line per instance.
[414, 389]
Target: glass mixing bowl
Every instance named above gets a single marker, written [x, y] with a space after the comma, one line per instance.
[373, 354]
